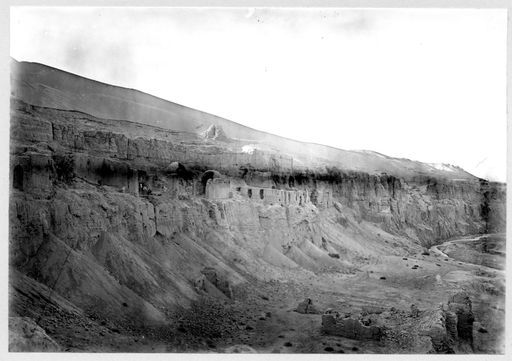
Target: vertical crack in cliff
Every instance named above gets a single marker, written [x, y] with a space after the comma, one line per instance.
[485, 208]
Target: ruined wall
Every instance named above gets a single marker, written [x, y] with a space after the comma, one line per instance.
[272, 196]
[350, 328]
[217, 188]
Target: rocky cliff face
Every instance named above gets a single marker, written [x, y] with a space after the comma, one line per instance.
[116, 217]
[125, 220]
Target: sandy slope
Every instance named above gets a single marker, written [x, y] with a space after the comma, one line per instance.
[41, 85]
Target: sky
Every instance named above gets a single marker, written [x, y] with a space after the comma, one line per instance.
[423, 84]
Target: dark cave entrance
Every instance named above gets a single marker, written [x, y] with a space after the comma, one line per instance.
[17, 177]
[209, 174]
[291, 181]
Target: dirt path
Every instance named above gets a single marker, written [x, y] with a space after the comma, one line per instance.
[435, 249]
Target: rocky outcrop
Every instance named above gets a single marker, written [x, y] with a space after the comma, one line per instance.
[48, 87]
[350, 328]
[26, 336]
[423, 208]
[307, 307]
[450, 326]
[214, 132]
[211, 275]
[460, 310]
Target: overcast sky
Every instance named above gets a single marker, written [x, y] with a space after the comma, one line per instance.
[427, 85]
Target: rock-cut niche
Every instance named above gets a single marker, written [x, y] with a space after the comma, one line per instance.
[17, 177]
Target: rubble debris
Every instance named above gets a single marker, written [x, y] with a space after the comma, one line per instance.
[372, 310]
[350, 328]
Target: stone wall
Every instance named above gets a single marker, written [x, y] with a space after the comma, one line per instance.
[273, 196]
[218, 188]
[349, 328]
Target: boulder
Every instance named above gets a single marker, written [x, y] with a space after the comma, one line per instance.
[218, 281]
[306, 307]
[415, 312]
[172, 167]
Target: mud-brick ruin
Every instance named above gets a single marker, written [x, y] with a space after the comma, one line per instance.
[221, 188]
[218, 187]
[350, 328]
[35, 172]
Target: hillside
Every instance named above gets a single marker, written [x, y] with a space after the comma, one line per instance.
[126, 210]
[44, 86]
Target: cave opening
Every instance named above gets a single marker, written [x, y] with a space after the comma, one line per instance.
[291, 181]
[17, 177]
[209, 174]
[261, 193]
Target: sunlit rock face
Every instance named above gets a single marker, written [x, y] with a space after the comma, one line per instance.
[126, 215]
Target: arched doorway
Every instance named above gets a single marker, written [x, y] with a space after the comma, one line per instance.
[209, 174]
